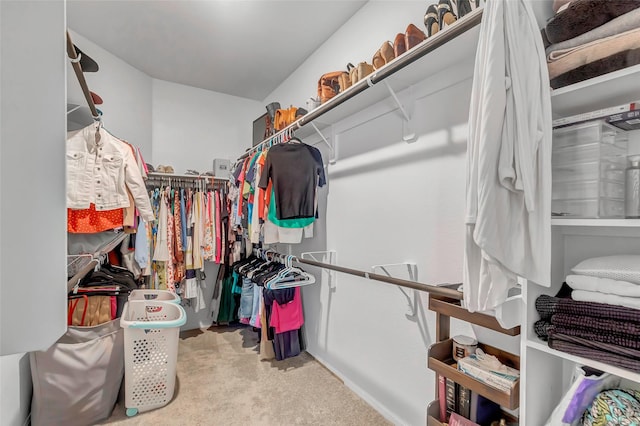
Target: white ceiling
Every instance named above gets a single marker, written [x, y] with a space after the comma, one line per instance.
[239, 47]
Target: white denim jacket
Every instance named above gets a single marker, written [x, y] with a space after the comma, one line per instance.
[99, 171]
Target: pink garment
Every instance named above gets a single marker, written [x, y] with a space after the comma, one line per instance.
[287, 317]
[218, 229]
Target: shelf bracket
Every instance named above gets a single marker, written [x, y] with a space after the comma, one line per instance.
[412, 271]
[328, 256]
[408, 135]
[330, 145]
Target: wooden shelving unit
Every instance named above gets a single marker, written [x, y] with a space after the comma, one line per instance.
[441, 362]
[440, 356]
[433, 414]
[452, 308]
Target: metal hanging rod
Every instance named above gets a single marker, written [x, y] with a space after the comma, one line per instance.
[429, 45]
[157, 175]
[283, 135]
[75, 63]
[433, 289]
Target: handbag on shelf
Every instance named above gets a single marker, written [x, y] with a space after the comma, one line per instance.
[361, 71]
[284, 117]
[329, 85]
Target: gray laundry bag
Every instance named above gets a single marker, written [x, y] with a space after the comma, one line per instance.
[76, 381]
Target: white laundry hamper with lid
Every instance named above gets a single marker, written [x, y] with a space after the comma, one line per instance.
[156, 295]
[151, 331]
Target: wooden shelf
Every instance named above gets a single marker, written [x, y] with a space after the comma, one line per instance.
[452, 308]
[617, 371]
[618, 223]
[441, 362]
[433, 415]
[615, 88]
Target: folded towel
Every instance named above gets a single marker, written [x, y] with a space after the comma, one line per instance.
[541, 328]
[603, 285]
[609, 64]
[608, 299]
[545, 329]
[582, 16]
[584, 348]
[621, 24]
[599, 325]
[548, 305]
[561, 61]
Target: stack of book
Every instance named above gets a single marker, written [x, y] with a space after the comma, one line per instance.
[455, 398]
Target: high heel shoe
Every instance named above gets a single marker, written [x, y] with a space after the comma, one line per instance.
[446, 14]
[431, 20]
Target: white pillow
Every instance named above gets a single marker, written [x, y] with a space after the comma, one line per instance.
[620, 267]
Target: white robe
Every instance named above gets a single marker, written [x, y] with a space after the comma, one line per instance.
[508, 214]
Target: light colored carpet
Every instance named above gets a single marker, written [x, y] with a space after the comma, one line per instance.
[221, 381]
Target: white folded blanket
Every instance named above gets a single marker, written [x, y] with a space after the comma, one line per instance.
[608, 299]
[603, 285]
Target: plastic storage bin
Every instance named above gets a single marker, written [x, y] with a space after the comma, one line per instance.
[157, 295]
[591, 208]
[585, 133]
[588, 189]
[589, 153]
[588, 171]
[151, 332]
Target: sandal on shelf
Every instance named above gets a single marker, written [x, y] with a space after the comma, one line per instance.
[446, 14]
[413, 36]
[431, 20]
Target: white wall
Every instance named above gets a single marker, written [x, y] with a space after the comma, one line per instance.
[125, 90]
[32, 203]
[387, 202]
[193, 126]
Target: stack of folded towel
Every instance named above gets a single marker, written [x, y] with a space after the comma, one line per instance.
[588, 38]
[601, 320]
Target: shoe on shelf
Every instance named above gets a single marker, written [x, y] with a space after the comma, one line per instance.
[446, 14]
[431, 21]
[413, 36]
[399, 45]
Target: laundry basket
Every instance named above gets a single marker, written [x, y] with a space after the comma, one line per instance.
[151, 330]
[157, 295]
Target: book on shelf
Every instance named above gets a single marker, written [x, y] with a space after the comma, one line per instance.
[442, 398]
[483, 410]
[451, 389]
[464, 401]
[594, 115]
[458, 420]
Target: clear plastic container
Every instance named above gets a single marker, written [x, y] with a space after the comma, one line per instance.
[588, 208]
[586, 133]
[587, 189]
[616, 153]
[594, 170]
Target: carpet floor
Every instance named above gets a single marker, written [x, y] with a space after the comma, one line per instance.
[221, 381]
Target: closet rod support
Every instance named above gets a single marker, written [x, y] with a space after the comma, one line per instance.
[322, 136]
[395, 98]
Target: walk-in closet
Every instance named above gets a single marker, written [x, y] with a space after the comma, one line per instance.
[358, 212]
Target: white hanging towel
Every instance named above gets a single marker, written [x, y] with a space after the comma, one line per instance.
[508, 214]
